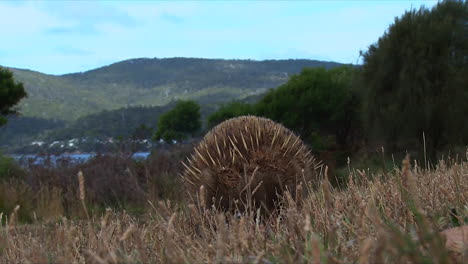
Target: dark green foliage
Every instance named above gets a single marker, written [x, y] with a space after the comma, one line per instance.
[9, 168]
[416, 77]
[179, 122]
[316, 103]
[11, 93]
[228, 111]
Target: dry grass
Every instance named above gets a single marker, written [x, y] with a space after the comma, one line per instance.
[391, 218]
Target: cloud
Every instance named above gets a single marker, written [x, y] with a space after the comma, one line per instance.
[13, 20]
[79, 29]
[172, 18]
[89, 12]
[67, 50]
[85, 18]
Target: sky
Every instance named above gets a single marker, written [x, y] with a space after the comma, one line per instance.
[58, 37]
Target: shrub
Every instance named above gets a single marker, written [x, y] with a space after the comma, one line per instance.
[9, 168]
[178, 123]
[316, 102]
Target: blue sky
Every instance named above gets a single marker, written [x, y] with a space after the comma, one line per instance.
[58, 37]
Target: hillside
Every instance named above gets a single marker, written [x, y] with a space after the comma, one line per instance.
[151, 82]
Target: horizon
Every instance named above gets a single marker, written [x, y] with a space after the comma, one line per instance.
[156, 58]
[71, 37]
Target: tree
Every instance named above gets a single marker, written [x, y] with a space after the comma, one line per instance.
[10, 94]
[416, 79]
[230, 110]
[176, 124]
[315, 103]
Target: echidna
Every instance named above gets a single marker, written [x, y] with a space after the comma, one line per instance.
[245, 155]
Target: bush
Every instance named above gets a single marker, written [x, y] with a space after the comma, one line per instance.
[9, 168]
[316, 103]
[178, 123]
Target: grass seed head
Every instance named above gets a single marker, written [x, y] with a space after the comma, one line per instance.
[81, 185]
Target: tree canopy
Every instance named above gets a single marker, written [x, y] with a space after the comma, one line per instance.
[11, 93]
[416, 78]
[315, 102]
[179, 122]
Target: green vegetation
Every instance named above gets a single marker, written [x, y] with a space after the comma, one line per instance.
[315, 103]
[179, 122]
[9, 168]
[416, 79]
[11, 93]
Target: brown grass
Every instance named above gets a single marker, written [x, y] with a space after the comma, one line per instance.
[391, 218]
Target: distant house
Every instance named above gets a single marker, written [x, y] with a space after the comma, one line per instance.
[54, 143]
[37, 143]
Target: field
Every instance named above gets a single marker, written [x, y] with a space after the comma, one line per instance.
[394, 216]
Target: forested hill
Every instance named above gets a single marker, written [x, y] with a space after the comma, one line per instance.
[150, 82]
